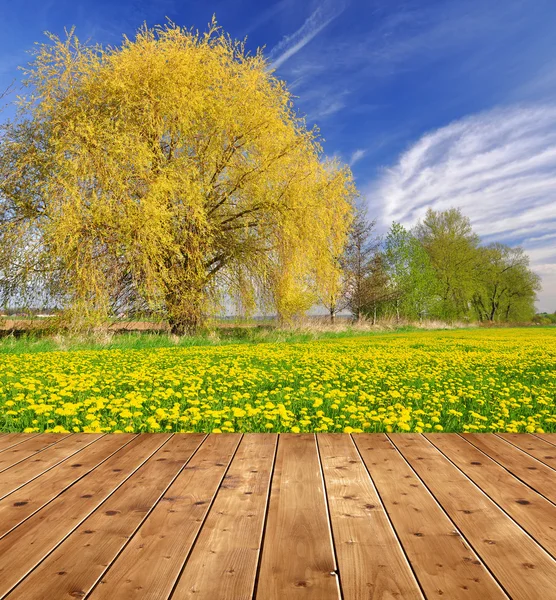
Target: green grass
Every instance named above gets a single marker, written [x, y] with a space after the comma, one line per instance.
[31, 343]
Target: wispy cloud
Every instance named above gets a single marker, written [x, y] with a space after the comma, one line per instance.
[391, 39]
[324, 102]
[291, 44]
[499, 167]
[356, 156]
[397, 37]
[542, 83]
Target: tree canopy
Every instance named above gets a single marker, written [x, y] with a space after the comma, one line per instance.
[438, 270]
[165, 173]
[451, 244]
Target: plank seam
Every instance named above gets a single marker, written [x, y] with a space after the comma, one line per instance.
[526, 452]
[544, 439]
[84, 518]
[140, 524]
[329, 520]
[508, 470]
[184, 564]
[20, 441]
[404, 553]
[265, 521]
[456, 528]
[52, 466]
[489, 497]
[67, 488]
[35, 453]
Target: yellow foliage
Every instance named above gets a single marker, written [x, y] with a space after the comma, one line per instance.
[173, 169]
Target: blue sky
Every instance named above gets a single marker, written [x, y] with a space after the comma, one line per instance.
[433, 102]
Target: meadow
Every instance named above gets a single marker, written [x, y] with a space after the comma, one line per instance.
[476, 380]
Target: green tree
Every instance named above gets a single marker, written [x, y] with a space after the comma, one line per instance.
[507, 287]
[377, 291]
[451, 244]
[413, 281]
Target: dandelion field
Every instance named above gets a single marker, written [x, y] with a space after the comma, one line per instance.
[459, 380]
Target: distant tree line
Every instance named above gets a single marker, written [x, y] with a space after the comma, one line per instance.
[437, 270]
[545, 318]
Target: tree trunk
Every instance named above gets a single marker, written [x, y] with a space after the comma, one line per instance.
[332, 315]
[185, 324]
[185, 312]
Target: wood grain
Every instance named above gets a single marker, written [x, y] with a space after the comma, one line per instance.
[25, 546]
[528, 508]
[76, 565]
[520, 565]
[266, 517]
[443, 562]
[36, 465]
[547, 437]
[167, 535]
[534, 473]
[543, 451]
[14, 455]
[223, 563]
[297, 559]
[12, 439]
[362, 532]
[25, 501]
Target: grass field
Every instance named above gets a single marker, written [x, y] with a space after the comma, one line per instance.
[459, 380]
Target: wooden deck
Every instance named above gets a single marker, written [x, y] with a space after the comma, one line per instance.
[269, 517]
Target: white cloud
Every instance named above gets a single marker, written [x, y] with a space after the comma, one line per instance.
[357, 156]
[499, 167]
[314, 24]
[548, 269]
[326, 108]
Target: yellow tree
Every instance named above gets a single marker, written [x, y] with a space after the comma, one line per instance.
[166, 170]
[332, 276]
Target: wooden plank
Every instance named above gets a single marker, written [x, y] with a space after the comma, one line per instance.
[16, 454]
[153, 560]
[547, 437]
[25, 546]
[520, 565]
[223, 562]
[528, 508]
[24, 502]
[76, 565]
[370, 559]
[539, 449]
[531, 471]
[297, 558]
[36, 465]
[9, 440]
[442, 560]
